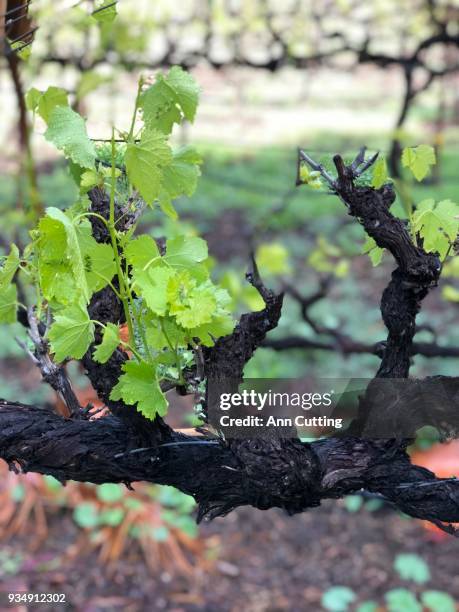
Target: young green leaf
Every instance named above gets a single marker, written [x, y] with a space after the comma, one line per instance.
[418, 160]
[9, 266]
[98, 260]
[67, 131]
[185, 251]
[179, 178]
[8, 303]
[32, 98]
[171, 98]
[105, 11]
[139, 385]
[76, 238]
[194, 309]
[159, 106]
[310, 177]
[142, 251]
[57, 280]
[52, 97]
[145, 162]
[375, 253]
[110, 342]
[186, 90]
[71, 333]
[152, 285]
[437, 224]
[380, 176]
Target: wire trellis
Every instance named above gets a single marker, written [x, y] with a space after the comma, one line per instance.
[11, 16]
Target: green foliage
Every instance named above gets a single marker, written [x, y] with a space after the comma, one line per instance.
[419, 160]
[438, 601]
[85, 515]
[67, 131]
[104, 11]
[310, 177]
[328, 258]
[412, 567]
[380, 175]
[172, 98]
[8, 290]
[338, 598]
[71, 333]
[272, 259]
[170, 303]
[45, 102]
[139, 386]
[110, 341]
[437, 224]
[109, 492]
[401, 600]
[145, 161]
[375, 253]
[353, 503]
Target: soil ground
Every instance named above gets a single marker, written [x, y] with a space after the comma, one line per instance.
[266, 562]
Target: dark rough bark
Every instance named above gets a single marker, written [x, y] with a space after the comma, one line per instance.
[416, 273]
[284, 473]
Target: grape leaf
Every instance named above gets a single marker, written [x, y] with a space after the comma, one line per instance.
[139, 385]
[180, 177]
[418, 160]
[98, 260]
[171, 98]
[185, 251]
[186, 90]
[375, 253]
[155, 334]
[67, 131]
[52, 97]
[219, 326]
[105, 11]
[437, 224]
[32, 98]
[76, 237]
[380, 176]
[159, 106]
[56, 276]
[141, 251]
[145, 162]
[191, 305]
[8, 303]
[9, 266]
[110, 342]
[153, 287]
[71, 333]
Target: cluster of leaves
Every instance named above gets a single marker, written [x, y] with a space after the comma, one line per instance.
[409, 567]
[434, 224]
[170, 303]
